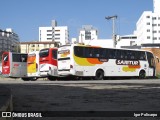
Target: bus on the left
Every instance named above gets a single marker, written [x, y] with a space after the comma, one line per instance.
[14, 65]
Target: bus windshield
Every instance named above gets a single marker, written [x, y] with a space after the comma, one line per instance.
[44, 53]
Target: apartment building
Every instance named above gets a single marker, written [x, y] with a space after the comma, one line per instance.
[148, 25]
[27, 47]
[9, 41]
[54, 33]
[87, 33]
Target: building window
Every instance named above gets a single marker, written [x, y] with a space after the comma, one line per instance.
[57, 34]
[154, 38]
[148, 37]
[49, 30]
[148, 30]
[87, 35]
[154, 18]
[154, 24]
[147, 16]
[32, 45]
[154, 31]
[49, 34]
[57, 30]
[148, 23]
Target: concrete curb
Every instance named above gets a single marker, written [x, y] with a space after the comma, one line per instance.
[6, 104]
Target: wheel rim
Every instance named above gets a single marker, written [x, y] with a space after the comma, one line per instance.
[142, 75]
[99, 75]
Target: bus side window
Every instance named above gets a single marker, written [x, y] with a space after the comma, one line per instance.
[23, 58]
[102, 53]
[112, 53]
[16, 57]
[79, 51]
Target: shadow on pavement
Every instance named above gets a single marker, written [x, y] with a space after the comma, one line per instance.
[47, 97]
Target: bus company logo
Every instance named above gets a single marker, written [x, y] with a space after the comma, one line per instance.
[103, 60]
[6, 67]
[128, 62]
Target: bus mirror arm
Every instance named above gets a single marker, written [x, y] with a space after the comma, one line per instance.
[157, 58]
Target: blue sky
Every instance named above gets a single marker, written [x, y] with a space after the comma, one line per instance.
[26, 16]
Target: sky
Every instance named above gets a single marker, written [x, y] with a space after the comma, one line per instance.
[26, 16]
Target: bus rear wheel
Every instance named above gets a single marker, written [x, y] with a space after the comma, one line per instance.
[99, 75]
[25, 79]
[51, 78]
[34, 79]
[142, 74]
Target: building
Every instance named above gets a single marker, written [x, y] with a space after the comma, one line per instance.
[74, 40]
[106, 43]
[148, 25]
[126, 40]
[9, 41]
[27, 47]
[54, 33]
[87, 33]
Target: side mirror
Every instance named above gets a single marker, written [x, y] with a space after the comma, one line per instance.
[5, 59]
[157, 59]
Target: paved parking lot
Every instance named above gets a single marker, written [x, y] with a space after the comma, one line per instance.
[85, 95]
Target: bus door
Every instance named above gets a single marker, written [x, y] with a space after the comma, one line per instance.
[5, 64]
[19, 65]
[151, 64]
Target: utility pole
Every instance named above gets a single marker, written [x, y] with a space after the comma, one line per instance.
[113, 28]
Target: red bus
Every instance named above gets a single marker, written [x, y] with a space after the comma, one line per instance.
[48, 63]
[14, 64]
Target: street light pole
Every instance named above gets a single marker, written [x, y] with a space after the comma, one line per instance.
[113, 28]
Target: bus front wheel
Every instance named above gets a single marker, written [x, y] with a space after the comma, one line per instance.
[99, 75]
[142, 74]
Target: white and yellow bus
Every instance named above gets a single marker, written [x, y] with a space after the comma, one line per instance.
[33, 72]
[97, 62]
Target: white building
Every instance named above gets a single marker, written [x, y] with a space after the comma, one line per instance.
[54, 33]
[126, 40]
[148, 25]
[107, 43]
[74, 40]
[87, 33]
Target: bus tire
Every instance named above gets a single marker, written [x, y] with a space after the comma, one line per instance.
[99, 75]
[142, 74]
[25, 79]
[34, 79]
[51, 78]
